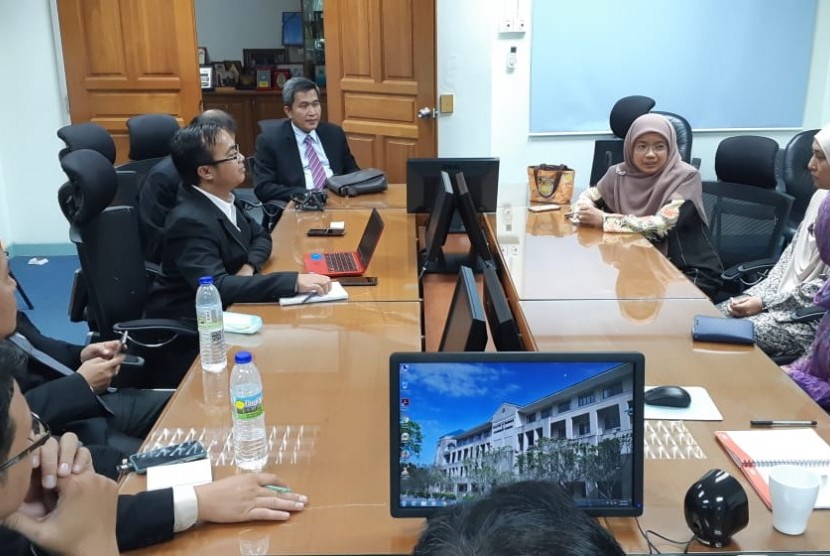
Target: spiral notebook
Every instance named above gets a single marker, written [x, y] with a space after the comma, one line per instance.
[756, 452]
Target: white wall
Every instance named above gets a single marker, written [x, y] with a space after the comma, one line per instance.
[31, 111]
[225, 28]
[506, 123]
[491, 108]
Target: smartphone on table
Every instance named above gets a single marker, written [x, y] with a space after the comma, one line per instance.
[177, 453]
[358, 281]
[312, 232]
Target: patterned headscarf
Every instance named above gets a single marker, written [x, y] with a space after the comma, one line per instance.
[627, 190]
[822, 233]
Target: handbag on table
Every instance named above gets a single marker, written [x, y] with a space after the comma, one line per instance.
[370, 180]
[550, 183]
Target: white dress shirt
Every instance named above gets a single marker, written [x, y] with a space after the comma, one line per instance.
[228, 209]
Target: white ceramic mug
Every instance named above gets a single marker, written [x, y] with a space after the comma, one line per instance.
[793, 490]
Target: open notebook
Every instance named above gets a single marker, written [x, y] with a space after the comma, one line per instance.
[337, 293]
[756, 452]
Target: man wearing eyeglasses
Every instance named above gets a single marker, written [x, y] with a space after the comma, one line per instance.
[157, 195]
[206, 234]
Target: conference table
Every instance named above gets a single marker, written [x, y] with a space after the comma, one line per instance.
[325, 375]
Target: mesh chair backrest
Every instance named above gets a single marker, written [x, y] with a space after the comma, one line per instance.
[150, 135]
[747, 159]
[746, 223]
[794, 172]
[87, 136]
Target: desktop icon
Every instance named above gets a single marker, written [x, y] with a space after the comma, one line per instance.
[404, 437]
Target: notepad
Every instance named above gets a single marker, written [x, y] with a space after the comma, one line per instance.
[337, 293]
[192, 473]
[757, 452]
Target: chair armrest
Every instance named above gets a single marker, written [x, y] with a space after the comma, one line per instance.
[808, 314]
[156, 325]
[78, 298]
[757, 265]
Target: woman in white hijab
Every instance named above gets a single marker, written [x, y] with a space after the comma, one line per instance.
[794, 280]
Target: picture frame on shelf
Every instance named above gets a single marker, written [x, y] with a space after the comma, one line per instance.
[263, 79]
[206, 77]
[295, 69]
[292, 28]
[279, 77]
[202, 55]
[263, 57]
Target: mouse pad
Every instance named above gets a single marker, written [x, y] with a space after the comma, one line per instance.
[702, 408]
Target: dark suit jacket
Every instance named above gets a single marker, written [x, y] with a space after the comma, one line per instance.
[278, 172]
[156, 197]
[143, 519]
[200, 241]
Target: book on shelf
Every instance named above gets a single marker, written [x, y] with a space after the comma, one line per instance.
[756, 452]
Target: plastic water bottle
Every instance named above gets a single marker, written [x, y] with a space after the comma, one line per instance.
[248, 414]
[211, 329]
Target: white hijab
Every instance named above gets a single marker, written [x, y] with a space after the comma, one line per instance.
[805, 264]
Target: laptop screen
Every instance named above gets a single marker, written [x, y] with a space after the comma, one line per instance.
[371, 237]
[462, 423]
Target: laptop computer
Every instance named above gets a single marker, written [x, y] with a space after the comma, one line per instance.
[348, 263]
[463, 422]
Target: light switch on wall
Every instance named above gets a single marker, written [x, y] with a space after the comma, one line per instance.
[446, 103]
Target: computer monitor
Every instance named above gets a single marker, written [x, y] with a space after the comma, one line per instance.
[465, 329]
[462, 423]
[469, 216]
[503, 327]
[423, 181]
[438, 226]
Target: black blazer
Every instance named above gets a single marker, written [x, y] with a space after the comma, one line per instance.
[200, 241]
[278, 172]
[143, 519]
[156, 197]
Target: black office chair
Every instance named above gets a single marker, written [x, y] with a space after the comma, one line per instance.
[271, 210]
[87, 136]
[150, 136]
[109, 250]
[796, 177]
[608, 152]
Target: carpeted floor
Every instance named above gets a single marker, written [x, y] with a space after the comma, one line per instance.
[48, 287]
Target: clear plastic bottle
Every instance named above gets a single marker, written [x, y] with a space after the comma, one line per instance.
[211, 329]
[248, 414]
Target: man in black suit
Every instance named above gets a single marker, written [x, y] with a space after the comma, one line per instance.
[157, 195]
[206, 234]
[68, 390]
[297, 154]
[68, 509]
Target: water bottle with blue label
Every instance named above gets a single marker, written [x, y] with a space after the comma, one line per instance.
[248, 413]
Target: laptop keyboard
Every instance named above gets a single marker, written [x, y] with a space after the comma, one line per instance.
[341, 262]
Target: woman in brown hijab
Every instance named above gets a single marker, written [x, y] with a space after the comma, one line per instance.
[656, 194]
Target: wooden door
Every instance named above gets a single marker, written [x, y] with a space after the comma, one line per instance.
[380, 70]
[128, 57]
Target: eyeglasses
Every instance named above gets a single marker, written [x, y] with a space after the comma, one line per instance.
[233, 157]
[40, 434]
[642, 148]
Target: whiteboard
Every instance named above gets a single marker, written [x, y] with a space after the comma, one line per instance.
[722, 64]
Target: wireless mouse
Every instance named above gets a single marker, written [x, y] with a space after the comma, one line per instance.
[668, 396]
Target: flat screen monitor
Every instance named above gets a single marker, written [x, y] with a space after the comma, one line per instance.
[469, 216]
[462, 423]
[466, 328]
[423, 181]
[503, 327]
[439, 223]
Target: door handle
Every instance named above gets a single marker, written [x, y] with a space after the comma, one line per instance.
[427, 113]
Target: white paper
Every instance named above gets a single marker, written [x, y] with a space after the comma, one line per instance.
[702, 408]
[192, 473]
[337, 293]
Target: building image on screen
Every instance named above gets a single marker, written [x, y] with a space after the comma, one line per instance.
[468, 427]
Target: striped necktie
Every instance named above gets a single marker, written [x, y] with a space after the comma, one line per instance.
[318, 173]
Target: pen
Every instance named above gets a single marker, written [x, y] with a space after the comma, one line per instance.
[309, 296]
[763, 423]
[279, 488]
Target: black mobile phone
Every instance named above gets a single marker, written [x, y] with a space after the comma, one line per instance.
[325, 232]
[358, 281]
[177, 453]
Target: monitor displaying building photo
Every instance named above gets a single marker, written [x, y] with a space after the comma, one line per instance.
[467, 426]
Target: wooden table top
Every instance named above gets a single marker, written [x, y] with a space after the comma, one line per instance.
[548, 257]
[395, 262]
[394, 197]
[743, 382]
[325, 377]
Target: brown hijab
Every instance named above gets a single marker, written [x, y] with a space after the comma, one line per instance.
[626, 190]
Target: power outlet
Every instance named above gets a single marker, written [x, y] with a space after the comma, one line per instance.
[506, 25]
[519, 25]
